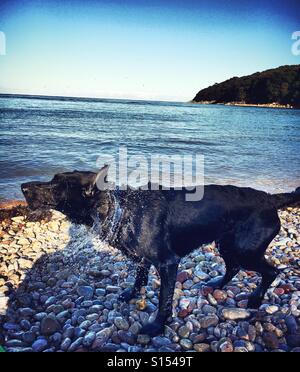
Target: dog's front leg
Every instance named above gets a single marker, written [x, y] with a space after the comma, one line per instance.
[168, 273]
[141, 279]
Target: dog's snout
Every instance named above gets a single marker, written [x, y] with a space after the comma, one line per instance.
[24, 187]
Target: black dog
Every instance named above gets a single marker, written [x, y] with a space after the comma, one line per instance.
[160, 227]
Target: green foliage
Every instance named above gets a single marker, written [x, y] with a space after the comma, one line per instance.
[280, 85]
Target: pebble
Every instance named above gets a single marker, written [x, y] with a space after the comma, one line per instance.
[235, 314]
[121, 323]
[70, 301]
[271, 309]
[186, 344]
[143, 339]
[160, 341]
[89, 339]
[183, 276]
[209, 321]
[271, 340]
[226, 347]
[49, 325]
[39, 345]
[202, 348]
[75, 345]
[86, 292]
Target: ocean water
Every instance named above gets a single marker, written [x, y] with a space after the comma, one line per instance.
[248, 146]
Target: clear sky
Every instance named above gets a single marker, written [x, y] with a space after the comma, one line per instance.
[140, 49]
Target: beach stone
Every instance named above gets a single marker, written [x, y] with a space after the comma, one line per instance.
[226, 347]
[85, 291]
[212, 300]
[39, 345]
[160, 341]
[40, 316]
[100, 292]
[121, 323]
[201, 275]
[240, 350]
[75, 345]
[89, 339]
[235, 314]
[28, 337]
[127, 337]
[271, 340]
[49, 325]
[184, 303]
[186, 344]
[279, 291]
[143, 339]
[183, 276]
[208, 309]
[184, 331]
[291, 324]
[25, 324]
[112, 289]
[87, 323]
[135, 328]
[188, 284]
[209, 321]
[220, 296]
[202, 348]
[65, 344]
[26, 312]
[271, 309]
[50, 301]
[15, 343]
[183, 313]
[293, 340]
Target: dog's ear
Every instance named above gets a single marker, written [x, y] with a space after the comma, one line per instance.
[101, 178]
[98, 182]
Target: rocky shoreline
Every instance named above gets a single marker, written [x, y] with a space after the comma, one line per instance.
[59, 288]
[243, 104]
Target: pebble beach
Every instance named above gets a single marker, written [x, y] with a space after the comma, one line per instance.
[60, 287]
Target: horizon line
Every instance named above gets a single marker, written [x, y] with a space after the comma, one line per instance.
[47, 96]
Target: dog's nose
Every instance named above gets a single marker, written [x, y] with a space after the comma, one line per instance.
[24, 187]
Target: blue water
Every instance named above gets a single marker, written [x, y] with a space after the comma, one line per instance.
[256, 147]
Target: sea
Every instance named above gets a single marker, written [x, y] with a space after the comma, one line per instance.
[245, 146]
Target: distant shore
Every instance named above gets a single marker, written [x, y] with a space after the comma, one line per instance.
[243, 104]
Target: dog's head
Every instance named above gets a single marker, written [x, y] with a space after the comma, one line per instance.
[71, 193]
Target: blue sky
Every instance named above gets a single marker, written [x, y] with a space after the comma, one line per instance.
[140, 49]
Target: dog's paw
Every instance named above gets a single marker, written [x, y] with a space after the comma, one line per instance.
[152, 329]
[127, 295]
[254, 302]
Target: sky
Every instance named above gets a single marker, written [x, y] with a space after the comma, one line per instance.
[138, 49]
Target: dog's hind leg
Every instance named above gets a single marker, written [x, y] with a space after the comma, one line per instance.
[140, 280]
[269, 274]
[226, 249]
[253, 240]
[168, 274]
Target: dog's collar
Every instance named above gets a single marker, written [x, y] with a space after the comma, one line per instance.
[114, 220]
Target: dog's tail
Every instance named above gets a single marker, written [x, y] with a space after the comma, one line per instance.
[286, 199]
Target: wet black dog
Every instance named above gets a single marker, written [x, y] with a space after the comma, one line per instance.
[160, 227]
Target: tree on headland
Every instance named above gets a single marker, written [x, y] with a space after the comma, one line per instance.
[280, 85]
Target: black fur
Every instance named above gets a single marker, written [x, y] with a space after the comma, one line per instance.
[160, 227]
